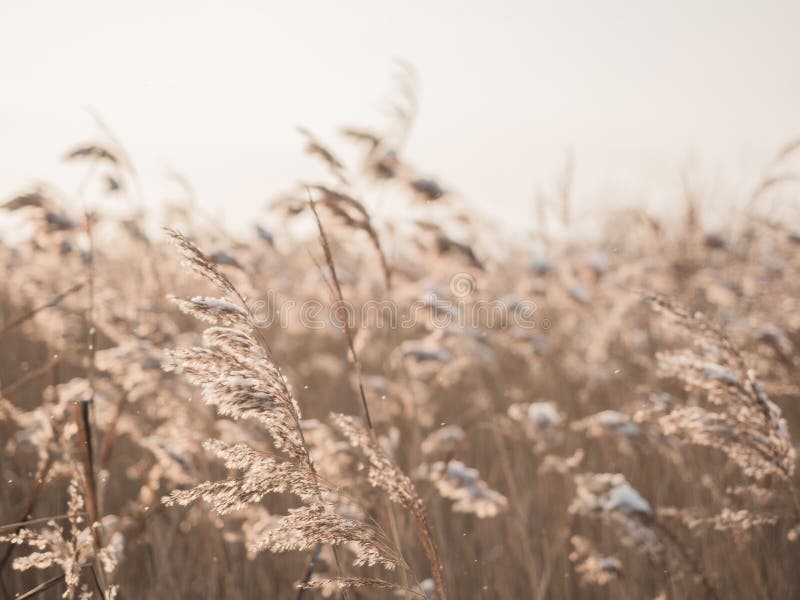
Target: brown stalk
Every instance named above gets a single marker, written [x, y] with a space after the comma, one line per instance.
[81, 408]
[8, 526]
[42, 587]
[96, 580]
[80, 414]
[311, 565]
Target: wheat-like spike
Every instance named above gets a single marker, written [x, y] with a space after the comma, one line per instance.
[303, 528]
[746, 424]
[384, 473]
[261, 475]
[201, 264]
[216, 311]
[237, 375]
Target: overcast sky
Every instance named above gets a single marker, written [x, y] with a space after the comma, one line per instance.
[215, 90]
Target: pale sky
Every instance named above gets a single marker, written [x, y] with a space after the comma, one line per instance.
[216, 89]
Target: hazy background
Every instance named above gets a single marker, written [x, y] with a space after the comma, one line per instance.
[639, 90]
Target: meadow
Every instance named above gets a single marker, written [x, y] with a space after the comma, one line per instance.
[338, 403]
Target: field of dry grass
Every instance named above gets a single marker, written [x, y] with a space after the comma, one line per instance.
[345, 405]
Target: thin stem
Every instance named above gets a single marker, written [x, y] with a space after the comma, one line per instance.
[42, 587]
[417, 510]
[19, 524]
[31, 375]
[49, 304]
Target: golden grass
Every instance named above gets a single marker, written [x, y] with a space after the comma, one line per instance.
[536, 430]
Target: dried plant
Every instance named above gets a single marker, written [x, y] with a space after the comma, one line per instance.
[73, 552]
[237, 376]
[581, 446]
[744, 423]
[353, 214]
[463, 485]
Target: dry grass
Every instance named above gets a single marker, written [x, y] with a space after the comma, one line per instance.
[592, 448]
